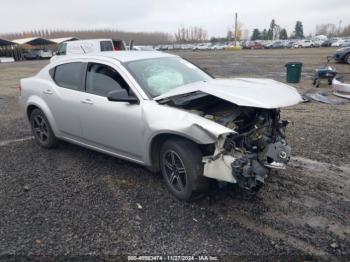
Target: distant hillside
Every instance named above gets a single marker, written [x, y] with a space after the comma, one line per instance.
[140, 38]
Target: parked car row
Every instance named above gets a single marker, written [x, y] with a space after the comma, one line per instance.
[259, 44]
[304, 43]
[200, 46]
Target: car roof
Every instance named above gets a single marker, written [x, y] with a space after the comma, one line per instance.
[122, 56]
[88, 40]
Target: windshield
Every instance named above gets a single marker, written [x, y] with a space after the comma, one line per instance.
[160, 75]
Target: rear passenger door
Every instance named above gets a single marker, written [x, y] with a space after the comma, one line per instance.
[113, 126]
[64, 97]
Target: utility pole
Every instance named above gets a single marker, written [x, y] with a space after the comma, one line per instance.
[236, 16]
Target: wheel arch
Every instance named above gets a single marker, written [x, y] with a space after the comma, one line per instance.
[37, 103]
[158, 140]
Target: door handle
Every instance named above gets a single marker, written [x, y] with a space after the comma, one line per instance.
[87, 101]
[48, 92]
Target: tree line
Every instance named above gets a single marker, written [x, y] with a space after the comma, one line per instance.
[190, 34]
[143, 38]
[331, 30]
[193, 34]
[277, 32]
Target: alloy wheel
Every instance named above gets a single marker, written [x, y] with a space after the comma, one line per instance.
[40, 128]
[175, 170]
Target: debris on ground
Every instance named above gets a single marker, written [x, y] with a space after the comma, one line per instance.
[341, 89]
[323, 97]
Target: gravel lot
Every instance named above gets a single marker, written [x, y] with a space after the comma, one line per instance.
[71, 202]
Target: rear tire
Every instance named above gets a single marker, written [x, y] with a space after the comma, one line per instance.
[182, 168]
[41, 129]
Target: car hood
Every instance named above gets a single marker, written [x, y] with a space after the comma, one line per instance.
[251, 92]
[341, 50]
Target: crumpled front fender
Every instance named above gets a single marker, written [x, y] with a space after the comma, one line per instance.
[163, 119]
[218, 166]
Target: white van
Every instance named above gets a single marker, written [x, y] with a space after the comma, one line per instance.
[88, 46]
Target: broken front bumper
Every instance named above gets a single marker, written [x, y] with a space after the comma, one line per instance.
[248, 170]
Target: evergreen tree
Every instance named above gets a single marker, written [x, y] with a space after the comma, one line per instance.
[256, 34]
[283, 34]
[264, 35]
[270, 33]
[299, 31]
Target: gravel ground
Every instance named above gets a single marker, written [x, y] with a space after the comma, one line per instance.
[73, 203]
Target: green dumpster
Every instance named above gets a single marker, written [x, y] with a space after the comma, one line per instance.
[294, 72]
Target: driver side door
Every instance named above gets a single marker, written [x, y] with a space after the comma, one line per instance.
[112, 126]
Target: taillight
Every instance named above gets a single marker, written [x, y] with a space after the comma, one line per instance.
[20, 90]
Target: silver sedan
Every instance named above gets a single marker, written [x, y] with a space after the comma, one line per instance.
[163, 112]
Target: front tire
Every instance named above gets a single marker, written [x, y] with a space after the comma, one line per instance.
[347, 59]
[182, 168]
[41, 129]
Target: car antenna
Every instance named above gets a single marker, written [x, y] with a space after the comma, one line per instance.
[83, 49]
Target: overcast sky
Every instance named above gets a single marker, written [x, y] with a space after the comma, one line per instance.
[216, 16]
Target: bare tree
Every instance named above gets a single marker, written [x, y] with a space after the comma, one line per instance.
[190, 34]
[326, 29]
[345, 31]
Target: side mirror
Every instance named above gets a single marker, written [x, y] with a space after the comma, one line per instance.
[122, 95]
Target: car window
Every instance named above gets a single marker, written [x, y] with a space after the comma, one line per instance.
[102, 79]
[62, 49]
[106, 46]
[160, 75]
[68, 75]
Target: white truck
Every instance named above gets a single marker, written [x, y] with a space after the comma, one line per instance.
[88, 46]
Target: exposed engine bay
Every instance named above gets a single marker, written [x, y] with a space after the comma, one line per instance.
[257, 144]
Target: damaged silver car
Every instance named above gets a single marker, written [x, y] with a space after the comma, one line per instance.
[163, 112]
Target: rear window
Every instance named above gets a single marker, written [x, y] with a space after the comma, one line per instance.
[106, 46]
[68, 75]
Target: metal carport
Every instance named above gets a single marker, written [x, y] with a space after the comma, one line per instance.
[33, 41]
[8, 50]
[4, 42]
